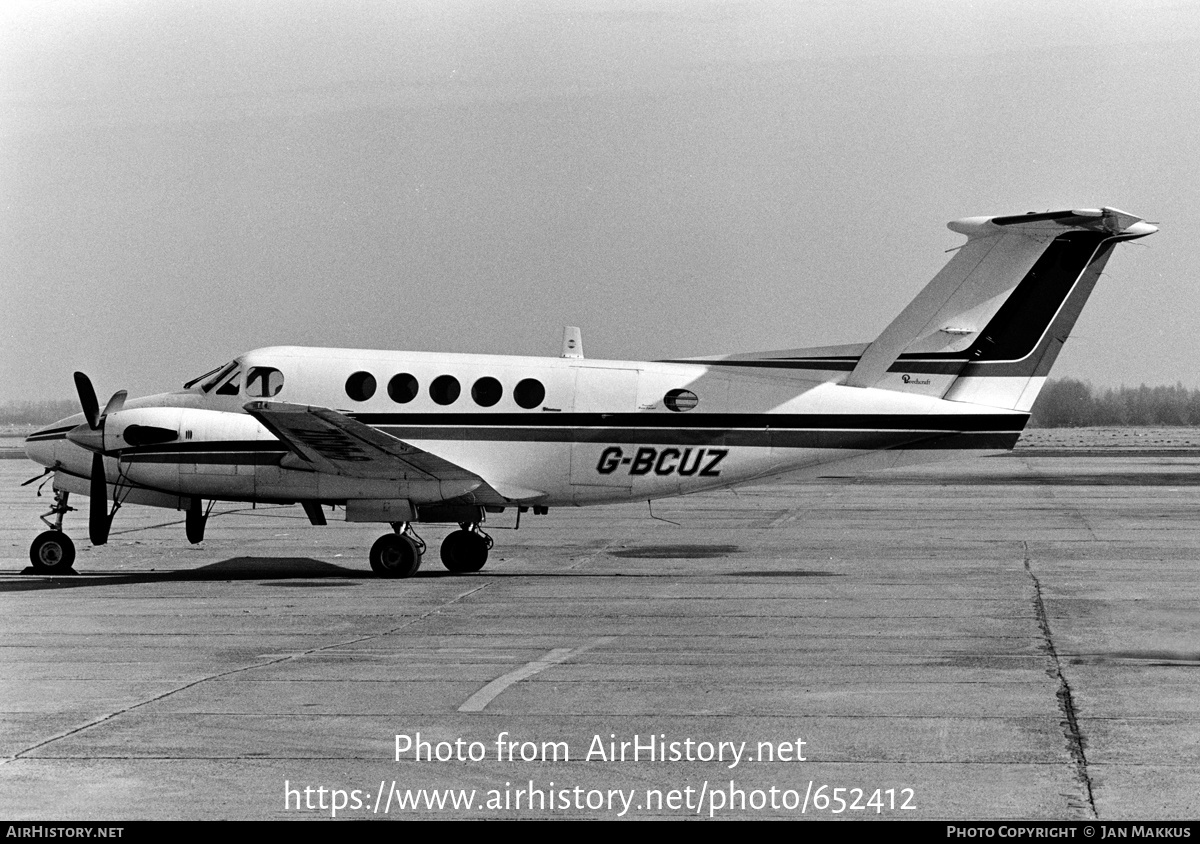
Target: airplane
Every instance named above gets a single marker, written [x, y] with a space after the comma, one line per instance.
[404, 438]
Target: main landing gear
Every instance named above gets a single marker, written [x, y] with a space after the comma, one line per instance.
[466, 549]
[53, 552]
[399, 554]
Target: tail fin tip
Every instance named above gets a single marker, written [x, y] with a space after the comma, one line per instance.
[1106, 219]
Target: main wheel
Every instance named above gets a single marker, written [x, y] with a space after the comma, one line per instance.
[52, 551]
[464, 551]
[394, 555]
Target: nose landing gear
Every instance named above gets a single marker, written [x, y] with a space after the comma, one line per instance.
[53, 552]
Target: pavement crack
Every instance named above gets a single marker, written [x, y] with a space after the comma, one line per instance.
[95, 722]
[1076, 511]
[1066, 703]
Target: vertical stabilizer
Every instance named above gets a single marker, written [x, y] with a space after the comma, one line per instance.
[990, 324]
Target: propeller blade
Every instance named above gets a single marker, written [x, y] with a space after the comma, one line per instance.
[98, 518]
[115, 403]
[87, 398]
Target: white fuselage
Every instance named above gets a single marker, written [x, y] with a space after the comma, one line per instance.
[602, 431]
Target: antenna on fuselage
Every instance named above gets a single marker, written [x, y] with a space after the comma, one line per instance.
[572, 342]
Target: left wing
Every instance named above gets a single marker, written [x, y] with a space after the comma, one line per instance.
[332, 442]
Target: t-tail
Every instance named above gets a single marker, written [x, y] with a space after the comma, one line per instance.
[989, 326]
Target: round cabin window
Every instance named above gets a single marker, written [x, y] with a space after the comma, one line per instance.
[487, 391]
[402, 388]
[445, 389]
[360, 386]
[529, 393]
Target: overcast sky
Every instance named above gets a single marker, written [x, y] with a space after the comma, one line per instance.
[184, 181]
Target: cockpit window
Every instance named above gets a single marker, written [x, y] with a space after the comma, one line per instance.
[220, 376]
[199, 378]
[263, 382]
[229, 374]
[232, 386]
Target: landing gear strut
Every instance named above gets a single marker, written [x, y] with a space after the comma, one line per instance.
[466, 550]
[196, 519]
[53, 551]
[397, 554]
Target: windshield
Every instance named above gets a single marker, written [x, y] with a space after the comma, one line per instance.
[220, 376]
[228, 376]
[189, 384]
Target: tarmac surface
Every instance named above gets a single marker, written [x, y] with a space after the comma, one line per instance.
[1009, 638]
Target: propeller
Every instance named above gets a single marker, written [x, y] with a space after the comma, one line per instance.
[87, 398]
[99, 521]
[90, 435]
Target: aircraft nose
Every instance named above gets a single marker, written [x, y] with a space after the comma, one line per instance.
[49, 446]
[39, 451]
[40, 445]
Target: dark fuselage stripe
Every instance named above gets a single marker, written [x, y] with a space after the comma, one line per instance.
[852, 440]
[819, 431]
[205, 459]
[45, 437]
[799, 363]
[750, 439]
[923, 364]
[678, 422]
[203, 446]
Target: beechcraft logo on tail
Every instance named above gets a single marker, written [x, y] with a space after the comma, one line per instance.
[667, 461]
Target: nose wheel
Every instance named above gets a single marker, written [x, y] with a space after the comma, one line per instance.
[53, 552]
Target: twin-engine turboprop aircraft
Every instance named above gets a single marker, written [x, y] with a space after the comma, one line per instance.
[403, 437]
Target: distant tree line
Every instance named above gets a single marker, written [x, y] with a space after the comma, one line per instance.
[37, 412]
[1066, 403]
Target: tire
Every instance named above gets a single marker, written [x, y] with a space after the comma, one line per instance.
[464, 551]
[52, 552]
[194, 522]
[395, 556]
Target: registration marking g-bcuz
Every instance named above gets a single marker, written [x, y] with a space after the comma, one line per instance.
[668, 461]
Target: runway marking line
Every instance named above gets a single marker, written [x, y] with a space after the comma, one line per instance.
[479, 700]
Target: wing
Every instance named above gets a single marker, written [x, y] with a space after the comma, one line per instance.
[328, 441]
